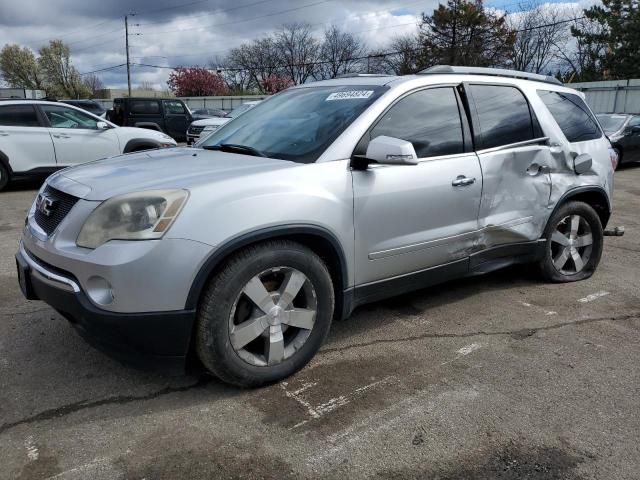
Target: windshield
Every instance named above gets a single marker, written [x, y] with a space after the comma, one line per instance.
[611, 123]
[297, 124]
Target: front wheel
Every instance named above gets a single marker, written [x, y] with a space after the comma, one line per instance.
[574, 242]
[265, 314]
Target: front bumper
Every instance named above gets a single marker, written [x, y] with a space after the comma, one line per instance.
[158, 339]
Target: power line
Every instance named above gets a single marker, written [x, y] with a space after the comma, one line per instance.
[73, 32]
[105, 69]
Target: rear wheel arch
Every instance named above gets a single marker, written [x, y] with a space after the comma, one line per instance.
[594, 196]
[320, 240]
[4, 160]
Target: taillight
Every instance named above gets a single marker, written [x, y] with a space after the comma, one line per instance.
[613, 156]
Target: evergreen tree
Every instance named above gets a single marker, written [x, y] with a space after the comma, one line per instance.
[618, 27]
[462, 32]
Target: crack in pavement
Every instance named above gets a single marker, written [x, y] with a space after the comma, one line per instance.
[117, 400]
[523, 332]
[205, 379]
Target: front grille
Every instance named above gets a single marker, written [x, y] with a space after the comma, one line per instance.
[195, 129]
[61, 205]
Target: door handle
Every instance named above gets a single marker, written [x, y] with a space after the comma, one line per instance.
[462, 181]
[4, 134]
[536, 169]
[60, 135]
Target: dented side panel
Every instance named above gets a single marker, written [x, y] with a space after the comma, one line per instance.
[515, 194]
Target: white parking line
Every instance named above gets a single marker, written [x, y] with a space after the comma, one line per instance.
[593, 296]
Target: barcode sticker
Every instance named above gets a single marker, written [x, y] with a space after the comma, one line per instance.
[349, 95]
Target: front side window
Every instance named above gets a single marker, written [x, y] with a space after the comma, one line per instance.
[634, 122]
[572, 115]
[297, 124]
[18, 116]
[63, 117]
[174, 108]
[503, 115]
[429, 119]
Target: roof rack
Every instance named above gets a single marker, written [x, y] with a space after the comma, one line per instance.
[496, 72]
[352, 75]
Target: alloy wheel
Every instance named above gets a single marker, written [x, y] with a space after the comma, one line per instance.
[571, 245]
[273, 316]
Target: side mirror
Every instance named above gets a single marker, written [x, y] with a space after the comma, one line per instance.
[635, 130]
[391, 151]
[102, 125]
[582, 163]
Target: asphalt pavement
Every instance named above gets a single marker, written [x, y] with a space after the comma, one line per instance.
[500, 376]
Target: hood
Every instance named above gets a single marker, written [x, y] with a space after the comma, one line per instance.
[211, 121]
[158, 169]
[135, 132]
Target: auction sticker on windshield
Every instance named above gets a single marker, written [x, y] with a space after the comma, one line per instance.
[350, 95]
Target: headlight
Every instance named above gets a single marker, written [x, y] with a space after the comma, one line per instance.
[210, 128]
[134, 216]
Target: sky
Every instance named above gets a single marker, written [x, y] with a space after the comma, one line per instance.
[192, 32]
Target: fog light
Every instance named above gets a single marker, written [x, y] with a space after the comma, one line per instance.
[99, 290]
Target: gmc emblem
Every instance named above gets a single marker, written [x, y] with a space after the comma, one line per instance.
[45, 205]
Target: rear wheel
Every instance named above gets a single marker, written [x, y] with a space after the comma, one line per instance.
[4, 176]
[265, 314]
[574, 243]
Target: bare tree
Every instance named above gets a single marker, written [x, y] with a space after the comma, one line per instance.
[261, 59]
[237, 78]
[340, 53]
[93, 83]
[401, 57]
[583, 62]
[299, 51]
[539, 36]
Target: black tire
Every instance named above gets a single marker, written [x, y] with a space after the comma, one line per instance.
[4, 177]
[213, 337]
[553, 249]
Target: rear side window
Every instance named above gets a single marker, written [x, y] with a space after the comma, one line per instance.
[429, 119]
[18, 116]
[503, 114]
[145, 107]
[572, 115]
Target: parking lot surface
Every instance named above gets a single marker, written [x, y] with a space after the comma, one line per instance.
[499, 376]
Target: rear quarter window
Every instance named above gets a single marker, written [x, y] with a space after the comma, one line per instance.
[18, 116]
[572, 115]
[145, 107]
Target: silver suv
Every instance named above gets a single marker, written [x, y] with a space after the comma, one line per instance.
[324, 197]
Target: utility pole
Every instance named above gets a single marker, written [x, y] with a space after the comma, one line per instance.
[126, 35]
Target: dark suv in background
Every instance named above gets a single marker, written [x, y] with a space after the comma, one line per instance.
[167, 115]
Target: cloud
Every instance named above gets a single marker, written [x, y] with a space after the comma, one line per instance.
[189, 32]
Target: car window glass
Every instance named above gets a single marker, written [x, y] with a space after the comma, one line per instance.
[634, 122]
[503, 114]
[429, 119]
[175, 108]
[145, 107]
[572, 115]
[63, 117]
[18, 116]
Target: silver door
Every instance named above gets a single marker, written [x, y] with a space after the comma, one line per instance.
[515, 160]
[408, 218]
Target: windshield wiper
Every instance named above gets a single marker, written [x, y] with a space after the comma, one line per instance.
[234, 148]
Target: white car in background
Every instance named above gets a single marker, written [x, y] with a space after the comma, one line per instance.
[39, 137]
[205, 127]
